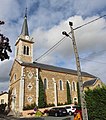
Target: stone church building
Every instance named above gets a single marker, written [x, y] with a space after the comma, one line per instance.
[24, 77]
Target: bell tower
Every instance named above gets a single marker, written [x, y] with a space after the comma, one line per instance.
[24, 44]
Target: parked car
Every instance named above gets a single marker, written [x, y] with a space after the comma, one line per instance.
[70, 109]
[78, 110]
[57, 111]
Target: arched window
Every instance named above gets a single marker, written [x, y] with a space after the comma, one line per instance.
[61, 84]
[74, 86]
[45, 83]
[24, 50]
[75, 100]
[27, 50]
[14, 76]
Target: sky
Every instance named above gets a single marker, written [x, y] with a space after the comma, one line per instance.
[47, 20]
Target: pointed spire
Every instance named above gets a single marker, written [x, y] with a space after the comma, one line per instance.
[24, 30]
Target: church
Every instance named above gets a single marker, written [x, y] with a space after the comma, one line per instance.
[24, 77]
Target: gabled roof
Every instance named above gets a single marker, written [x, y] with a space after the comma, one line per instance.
[56, 69]
[3, 93]
[90, 82]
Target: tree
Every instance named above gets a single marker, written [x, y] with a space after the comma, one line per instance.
[42, 96]
[68, 94]
[96, 103]
[4, 46]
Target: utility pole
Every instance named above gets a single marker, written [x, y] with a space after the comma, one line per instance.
[80, 82]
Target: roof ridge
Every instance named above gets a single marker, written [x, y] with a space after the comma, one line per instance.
[56, 68]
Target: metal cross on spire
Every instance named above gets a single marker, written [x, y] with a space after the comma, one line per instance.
[26, 12]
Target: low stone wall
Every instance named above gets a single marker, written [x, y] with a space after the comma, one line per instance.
[28, 113]
[31, 113]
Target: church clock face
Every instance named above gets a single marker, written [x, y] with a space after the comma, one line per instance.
[27, 37]
[30, 75]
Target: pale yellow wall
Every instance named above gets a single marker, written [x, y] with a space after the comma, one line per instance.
[22, 57]
[4, 97]
[15, 83]
[62, 94]
[49, 75]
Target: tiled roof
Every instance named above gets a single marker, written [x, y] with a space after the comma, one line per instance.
[90, 82]
[54, 68]
[3, 93]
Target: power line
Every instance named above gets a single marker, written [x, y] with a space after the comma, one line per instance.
[61, 40]
[89, 22]
[51, 49]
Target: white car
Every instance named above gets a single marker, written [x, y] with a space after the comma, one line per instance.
[70, 109]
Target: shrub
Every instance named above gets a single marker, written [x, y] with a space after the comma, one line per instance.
[38, 113]
[59, 104]
[29, 107]
[96, 104]
[50, 105]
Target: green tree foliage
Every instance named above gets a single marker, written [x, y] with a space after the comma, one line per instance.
[68, 94]
[42, 96]
[4, 46]
[96, 103]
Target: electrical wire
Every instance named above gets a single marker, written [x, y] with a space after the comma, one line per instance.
[89, 22]
[61, 40]
[51, 49]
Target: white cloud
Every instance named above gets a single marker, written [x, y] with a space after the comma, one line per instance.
[8, 9]
[90, 39]
[85, 7]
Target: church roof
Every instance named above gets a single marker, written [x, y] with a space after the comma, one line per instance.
[3, 93]
[90, 82]
[54, 68]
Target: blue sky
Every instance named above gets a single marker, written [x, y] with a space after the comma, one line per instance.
[46, 20]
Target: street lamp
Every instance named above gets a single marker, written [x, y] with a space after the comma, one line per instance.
[80, 82]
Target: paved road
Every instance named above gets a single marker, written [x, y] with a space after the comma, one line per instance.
[49, 118]
[39, 118]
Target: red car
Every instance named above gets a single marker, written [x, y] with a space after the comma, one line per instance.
[78, 110]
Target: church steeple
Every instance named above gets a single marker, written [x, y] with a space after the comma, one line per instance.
[24, 44]
[24, 30]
